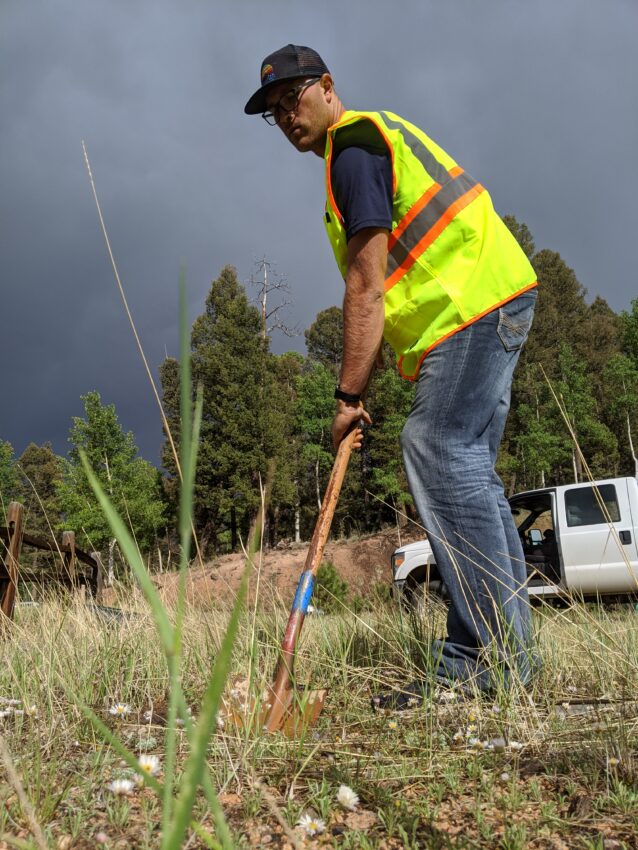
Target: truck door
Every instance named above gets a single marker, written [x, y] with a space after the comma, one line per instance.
[598, 546]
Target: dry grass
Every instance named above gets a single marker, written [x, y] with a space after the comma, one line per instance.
[559, 769]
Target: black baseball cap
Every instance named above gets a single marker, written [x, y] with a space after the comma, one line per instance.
[288, 63]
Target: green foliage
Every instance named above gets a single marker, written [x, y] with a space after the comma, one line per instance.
[39, 470]
[522, 234]
[390, 400]
[8, 476]
[131, 483]
[629, 322]
[241, 430]
[324, 339]
[331, 591]
[169, 377]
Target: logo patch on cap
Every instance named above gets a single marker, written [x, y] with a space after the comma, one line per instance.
[267, 73]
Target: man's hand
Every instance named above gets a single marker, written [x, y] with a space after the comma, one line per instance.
[346, 414]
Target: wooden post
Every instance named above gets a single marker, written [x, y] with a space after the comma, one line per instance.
[98, 577]
[9, 585]
[70, 560]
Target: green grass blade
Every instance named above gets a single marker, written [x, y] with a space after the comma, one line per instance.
[196, 762]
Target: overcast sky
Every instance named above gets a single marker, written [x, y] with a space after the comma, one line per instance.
[537, 99]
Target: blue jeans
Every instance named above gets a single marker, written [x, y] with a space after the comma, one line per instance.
[449, 443]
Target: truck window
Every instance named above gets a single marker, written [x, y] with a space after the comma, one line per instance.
[582, 506]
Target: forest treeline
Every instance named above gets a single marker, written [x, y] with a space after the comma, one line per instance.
[580, 364]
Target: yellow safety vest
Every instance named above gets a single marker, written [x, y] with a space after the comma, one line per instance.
[451, 259]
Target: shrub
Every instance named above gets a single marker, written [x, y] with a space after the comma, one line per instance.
[330, 589]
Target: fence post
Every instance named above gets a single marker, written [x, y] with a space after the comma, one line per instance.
[98, 577]
[70, 561]
[9, 585]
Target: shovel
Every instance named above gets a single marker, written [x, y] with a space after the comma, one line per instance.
[286, 709]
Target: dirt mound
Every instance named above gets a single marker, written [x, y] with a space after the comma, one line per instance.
[361, 562]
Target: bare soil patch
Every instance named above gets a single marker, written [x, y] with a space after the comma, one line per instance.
[362, 563]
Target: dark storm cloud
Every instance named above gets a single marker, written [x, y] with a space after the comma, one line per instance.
[537, 100]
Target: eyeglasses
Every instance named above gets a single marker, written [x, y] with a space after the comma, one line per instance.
[287, 102]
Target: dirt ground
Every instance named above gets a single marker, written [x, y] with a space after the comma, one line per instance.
[362, 563]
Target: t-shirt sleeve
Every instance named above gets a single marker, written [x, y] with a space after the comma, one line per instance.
[362, 187]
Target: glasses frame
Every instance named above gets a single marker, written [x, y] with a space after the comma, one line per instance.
[271, 115]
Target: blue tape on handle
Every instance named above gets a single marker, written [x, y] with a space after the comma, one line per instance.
[304, 592]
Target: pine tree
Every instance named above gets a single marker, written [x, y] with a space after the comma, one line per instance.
[131, 483]
[39, 471]
[324, 339]
[169, 377]
[230, 362]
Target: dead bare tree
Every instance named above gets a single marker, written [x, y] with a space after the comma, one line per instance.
[272, 287]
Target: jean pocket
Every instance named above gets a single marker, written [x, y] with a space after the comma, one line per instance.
[515, 320]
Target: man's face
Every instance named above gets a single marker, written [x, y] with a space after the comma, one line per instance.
[304, 126]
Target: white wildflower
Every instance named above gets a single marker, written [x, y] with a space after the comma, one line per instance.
[149, 764]
[446, 695]
[516, 745]
[31, 710]
[505, 777]
[311, 825]
[121, 787]
[393, 725]
[120, 709]
[458, 735]
[347, 798]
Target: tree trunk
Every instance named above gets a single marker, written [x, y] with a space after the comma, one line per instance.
[297, 515]
[631, 446]
[110, 576]
[233, 528]
[317, 484]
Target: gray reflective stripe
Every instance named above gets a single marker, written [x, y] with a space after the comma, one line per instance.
[427, 159]
[427, 218]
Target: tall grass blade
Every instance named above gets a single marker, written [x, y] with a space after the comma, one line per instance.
[194, 770]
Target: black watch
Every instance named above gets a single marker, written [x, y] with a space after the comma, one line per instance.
[344, 396]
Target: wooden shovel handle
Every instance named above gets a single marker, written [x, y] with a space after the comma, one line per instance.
[280, 695]
[329, 504]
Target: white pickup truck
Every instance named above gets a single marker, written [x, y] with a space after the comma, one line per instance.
[579, 539]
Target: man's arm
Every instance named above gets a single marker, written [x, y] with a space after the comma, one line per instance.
[363, 316]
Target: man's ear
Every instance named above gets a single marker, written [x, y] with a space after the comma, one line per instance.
[327, 84]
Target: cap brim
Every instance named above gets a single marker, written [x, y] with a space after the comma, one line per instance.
[257, 103]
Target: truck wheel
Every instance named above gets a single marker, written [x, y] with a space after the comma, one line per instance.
[423, 598]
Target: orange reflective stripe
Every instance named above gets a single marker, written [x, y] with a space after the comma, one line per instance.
[454, 172]
[412, 214]
[435, 230]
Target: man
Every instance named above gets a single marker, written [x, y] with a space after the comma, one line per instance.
[429, 267]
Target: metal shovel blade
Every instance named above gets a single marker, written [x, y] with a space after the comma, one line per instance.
[293, 713]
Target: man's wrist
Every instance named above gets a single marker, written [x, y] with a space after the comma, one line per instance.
[350, 398]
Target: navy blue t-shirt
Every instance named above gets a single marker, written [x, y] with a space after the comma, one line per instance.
[362, 187]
